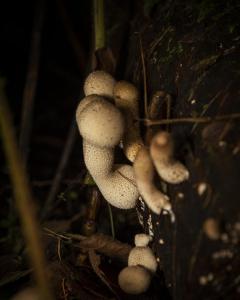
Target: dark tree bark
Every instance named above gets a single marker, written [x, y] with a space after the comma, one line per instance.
[192, 52]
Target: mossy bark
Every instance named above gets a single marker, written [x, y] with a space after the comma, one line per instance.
[192, 52]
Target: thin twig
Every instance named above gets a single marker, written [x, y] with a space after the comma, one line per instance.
[144, 78]
[71, 36]
[148, 122]
[31, 81]
[60, 169]
[111, 220]
[23, 198]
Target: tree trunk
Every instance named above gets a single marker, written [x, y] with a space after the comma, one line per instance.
[191, 51]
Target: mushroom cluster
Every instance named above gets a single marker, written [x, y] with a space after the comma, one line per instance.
[107, 117]
[102, 126]
[142, 264]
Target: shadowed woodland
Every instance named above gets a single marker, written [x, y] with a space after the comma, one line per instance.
[60, 239]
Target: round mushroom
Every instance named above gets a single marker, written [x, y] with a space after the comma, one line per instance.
[144, 257]
[100, 83]
[134, 280]
[100, 123]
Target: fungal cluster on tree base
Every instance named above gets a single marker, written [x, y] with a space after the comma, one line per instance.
[106, 118]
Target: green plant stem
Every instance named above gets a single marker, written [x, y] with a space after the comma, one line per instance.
[23, 198]
[99, 24]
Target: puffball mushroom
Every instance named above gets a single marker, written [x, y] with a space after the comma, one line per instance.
[126, 98]
[144, 257]
[99, 83]
[101, 125]
[134, 280]
[142, 264]
[144, 175]
[142, 239]
[161, 151]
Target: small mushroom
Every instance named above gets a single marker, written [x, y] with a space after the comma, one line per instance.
[100, 83]
[142, 239]
[142, 264]
[126, 98]
[134, 280]
[144, 257]
[161, 151]
[144, 175]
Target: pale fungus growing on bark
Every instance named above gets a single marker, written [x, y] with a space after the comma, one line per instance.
[161, 151]
[142, 255]
[126, 97]
[142, 239]
[100, 83]
[101, 125]
[134, 280]
[144, 175]
[142, 264]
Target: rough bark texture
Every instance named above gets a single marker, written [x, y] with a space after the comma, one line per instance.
[192, 52]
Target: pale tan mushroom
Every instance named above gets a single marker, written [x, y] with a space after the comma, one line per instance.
[126, 97]
[144, 175]
[100, 83]
[134, 280]
[101, 125]
[142, 239]
[161, 151]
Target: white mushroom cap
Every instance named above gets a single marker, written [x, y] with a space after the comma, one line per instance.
[119, 188]
[134, 280]
[99, 83]
[101, 123]
[85, 102]
[161, 150]
[144, 174]
[143, 256]
[142, 239]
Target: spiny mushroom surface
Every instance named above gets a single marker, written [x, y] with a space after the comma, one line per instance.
[144, 257]
[161, 151]
[144, 175]
[126, 97]
[101, 125]
[134, 280]
[100, 83]
[142, 264]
